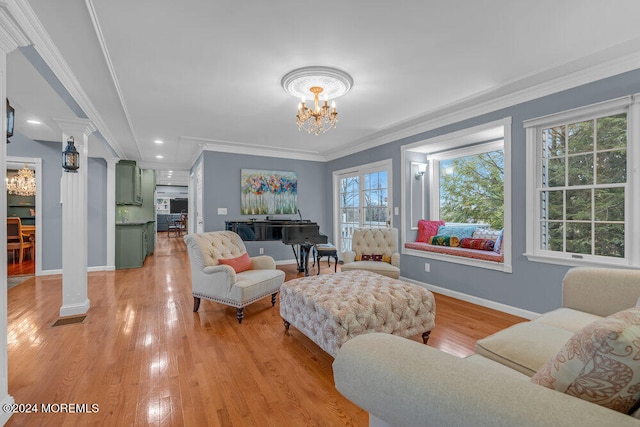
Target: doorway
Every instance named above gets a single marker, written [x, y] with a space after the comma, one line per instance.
[23, 252]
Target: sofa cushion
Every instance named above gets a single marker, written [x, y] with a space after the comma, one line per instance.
[374, 266]
[525, 347]
[488, 365]
[427, 229]
[600, 363]
[239, 264]
[567, 318]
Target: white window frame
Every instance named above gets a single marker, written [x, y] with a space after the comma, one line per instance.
[454, 141]
[360, 170]
[434, 168]
[534, 127]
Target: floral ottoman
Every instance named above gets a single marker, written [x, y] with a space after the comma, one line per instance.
[331, 309]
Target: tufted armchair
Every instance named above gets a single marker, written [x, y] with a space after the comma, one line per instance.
[373, 243]
[212, 280]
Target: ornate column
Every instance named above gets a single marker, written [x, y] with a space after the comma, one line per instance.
[73, 195]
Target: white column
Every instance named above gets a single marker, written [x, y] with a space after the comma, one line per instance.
[73, 194]
[12, 36]
[111, 216]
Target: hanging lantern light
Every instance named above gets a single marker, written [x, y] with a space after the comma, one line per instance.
[70, 157]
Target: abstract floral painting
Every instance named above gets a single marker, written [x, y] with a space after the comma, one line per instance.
[268, 192]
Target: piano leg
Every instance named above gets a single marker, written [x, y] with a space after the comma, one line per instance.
[305, 249]
[299, 258]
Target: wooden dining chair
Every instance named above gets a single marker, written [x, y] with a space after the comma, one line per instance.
[16, 240]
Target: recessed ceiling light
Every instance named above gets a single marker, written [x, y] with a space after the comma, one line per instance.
[159, 157]
[34, 122]
[157, 141]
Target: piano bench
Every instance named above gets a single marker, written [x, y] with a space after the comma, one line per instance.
[328, 250]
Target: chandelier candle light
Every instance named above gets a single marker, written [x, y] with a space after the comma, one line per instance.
[330, 82]
[23, 183]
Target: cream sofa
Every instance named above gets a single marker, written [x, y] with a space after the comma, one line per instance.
[403, 383]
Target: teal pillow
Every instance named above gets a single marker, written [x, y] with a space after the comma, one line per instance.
[461, 231]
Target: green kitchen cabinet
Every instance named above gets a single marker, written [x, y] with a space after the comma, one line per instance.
[128, 183]
[131, 244]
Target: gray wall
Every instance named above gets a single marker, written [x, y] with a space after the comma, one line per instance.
[531, 286]
[221, 185]
[51, 210]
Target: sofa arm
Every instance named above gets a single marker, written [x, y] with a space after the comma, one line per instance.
[263, 262]
[600, 291]
[395, 259]
[406, 383]
[348, 256]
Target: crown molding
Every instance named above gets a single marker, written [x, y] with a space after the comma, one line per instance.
[252, 149]
[557, 79]
[12, 35]
[44, 46]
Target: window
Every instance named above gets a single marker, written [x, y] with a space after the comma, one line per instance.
[467, 185]
[468, 180]
[578, 191]
[363, 200]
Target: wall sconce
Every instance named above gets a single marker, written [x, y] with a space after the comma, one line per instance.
[70, 158]
[422, 168]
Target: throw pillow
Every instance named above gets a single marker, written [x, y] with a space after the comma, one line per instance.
[444, 240]
[460, 231]
[480, 244]
[427, 229]
[371, 257]
[239, 264]
[498, 245]
[600, 363]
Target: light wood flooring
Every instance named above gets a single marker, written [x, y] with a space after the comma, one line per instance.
[145, 358]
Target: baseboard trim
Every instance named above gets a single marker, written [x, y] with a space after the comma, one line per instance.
[75, 309]
[89, 270]
[286, 261]
[476, 300]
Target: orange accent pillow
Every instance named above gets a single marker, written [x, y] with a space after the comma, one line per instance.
[240, 264]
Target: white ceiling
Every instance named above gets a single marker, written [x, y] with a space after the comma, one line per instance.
[207, 73]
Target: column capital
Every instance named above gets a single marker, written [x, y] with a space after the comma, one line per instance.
[78, 126]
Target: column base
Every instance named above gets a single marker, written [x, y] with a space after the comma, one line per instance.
[75, 309]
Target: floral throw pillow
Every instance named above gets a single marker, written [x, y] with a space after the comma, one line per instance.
[600, 363]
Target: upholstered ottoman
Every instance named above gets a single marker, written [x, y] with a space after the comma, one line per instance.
[331, 309]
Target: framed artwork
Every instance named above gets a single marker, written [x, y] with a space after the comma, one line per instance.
[267, 192]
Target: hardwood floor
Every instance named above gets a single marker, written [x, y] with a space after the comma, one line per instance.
[145, 358]
[26, 267]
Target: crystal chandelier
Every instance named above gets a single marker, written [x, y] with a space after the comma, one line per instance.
[23, 183]
[330, 82]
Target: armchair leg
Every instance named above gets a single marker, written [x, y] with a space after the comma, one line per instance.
[273, 299]
[196, 304]
[240, 314]
[425, 336]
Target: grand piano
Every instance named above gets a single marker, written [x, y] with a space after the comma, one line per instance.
[303, 234]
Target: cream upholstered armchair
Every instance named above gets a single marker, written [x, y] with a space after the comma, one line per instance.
[374, 249]
[222, 271]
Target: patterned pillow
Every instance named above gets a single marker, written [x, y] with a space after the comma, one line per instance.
[364, 257]
[498, 246]
[427, 229]
[444, 240]
[460, 231]
[600, 363]
[480, 244]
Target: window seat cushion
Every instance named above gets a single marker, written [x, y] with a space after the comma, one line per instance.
[456, 251]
